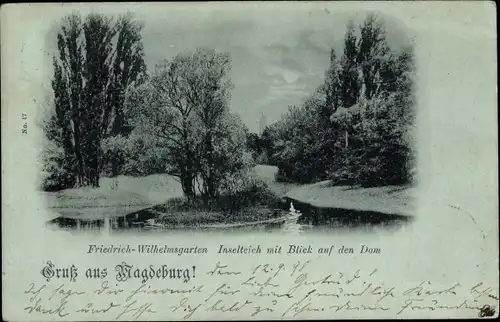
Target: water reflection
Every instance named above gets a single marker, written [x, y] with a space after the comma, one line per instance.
[311, 219]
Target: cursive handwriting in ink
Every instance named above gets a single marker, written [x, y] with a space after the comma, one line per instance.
[104, 288]
[349, 306]
[185, 307]
[91, 309]
[34, 291]
[252, 282]
[224, 289]
[135, 310]
[433, 305]
[219, 270]
[223, 307]
[421, 290]
[59, 310]
[479, 291]
[300, 306]
[260, 309]
[65, 293]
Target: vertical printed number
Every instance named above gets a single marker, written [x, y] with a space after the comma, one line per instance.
[24, 128]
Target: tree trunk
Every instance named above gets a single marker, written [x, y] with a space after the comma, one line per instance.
[78, 153]
[91, 150]
[116, 130]
[209, 177]
[188, 187]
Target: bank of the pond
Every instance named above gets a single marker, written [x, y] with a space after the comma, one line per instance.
[128, 202]
[390, 200]
[193, 218]
[159, 217]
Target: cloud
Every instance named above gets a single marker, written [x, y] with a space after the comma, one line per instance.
[287, 75]
[277, 59]
[288, 90]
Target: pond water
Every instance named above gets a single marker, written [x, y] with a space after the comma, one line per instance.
[312, 219]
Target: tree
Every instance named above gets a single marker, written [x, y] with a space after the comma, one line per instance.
[373, 52]
[268, 140]
[331, 89]
[92, 70]
[229, 156]
[254, 144]
[301, 149]
[68, 93]
[164, 114]
[128, 69]
[350, 84]
[185, 106]
[211, 92]
[98, 33]
[379, 121]
[144, 153]
[367, 98]
[349, 75]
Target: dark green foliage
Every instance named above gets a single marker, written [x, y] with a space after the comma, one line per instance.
[255, 194]
[128, 69]
[357, 128]
[63, 126]
[349, 87]
[258, 146]
[253, 144]
[372, 54]
[97, 60]
[98, 33]
[268, 141]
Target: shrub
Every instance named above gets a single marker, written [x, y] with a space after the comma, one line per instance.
[57, 170]
[253, 192]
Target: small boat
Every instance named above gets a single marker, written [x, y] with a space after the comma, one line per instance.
[294, 211]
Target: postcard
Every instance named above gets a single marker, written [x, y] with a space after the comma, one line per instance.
[249, 161]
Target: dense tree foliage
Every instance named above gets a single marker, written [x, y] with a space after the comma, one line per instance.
[183, 113]
[109, 117]
[357, 127]
[97, 60]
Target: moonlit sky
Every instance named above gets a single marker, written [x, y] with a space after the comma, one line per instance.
[279, 57]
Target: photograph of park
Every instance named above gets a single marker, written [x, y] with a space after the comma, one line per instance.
[231, 120]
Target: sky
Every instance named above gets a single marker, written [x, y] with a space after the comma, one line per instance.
[279, 57]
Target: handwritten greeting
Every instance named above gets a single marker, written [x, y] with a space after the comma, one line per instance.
[263, 291]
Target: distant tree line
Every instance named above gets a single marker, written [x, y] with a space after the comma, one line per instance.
[357, 127]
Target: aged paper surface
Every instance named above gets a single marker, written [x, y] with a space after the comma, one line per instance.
[188, 161]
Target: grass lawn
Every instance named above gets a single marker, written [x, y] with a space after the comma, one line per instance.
[396, 200]
[267, 174]
[131, 194]
[162, 195]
